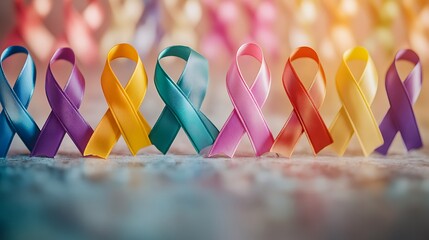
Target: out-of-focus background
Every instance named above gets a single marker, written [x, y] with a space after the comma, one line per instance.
[216, 29]
[183, 195]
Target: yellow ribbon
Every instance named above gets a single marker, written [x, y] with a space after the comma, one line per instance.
[123, 116]
[356, 95]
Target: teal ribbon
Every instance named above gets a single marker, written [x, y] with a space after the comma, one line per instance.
[15, 118]
[183, 102]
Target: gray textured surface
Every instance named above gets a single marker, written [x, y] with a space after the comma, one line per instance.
[189, 197]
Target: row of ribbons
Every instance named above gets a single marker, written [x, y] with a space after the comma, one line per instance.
[183, 100]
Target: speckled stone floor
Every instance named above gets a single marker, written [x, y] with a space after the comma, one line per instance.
[190, 197]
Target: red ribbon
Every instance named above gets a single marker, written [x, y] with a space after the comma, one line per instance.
[306, 103]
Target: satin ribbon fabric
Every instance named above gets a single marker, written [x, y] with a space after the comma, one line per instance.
[123, 116]
[402, 95]
[64, 117]
[356, 93]
[183, 102]
[305, 116]
[247, 101]
[15, 118]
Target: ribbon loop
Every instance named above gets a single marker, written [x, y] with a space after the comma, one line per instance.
[247, 114]
[402, 96]
[305, 116]
[123, 116]
[356, 95]
[15, 118]
[183, 102]
[64, 117]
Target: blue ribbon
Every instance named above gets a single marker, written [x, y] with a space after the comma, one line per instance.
[183, 102]
[15, 118]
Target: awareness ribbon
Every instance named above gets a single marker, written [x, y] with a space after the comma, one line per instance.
[64, 117]
[183, 102]
[305, 116]
[247, 114]
[402, 95]
[356, 95]
[15, 118]
[123, 116]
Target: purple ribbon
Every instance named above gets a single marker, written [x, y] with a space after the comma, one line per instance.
[64, 117]
[402, 96]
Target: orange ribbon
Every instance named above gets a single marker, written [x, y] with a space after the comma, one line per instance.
[305, 116]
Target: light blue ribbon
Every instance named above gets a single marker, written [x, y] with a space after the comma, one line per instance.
[15, 118]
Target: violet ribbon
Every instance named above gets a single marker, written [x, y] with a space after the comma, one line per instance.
[402, 95]
[247, 114]
[64, 117]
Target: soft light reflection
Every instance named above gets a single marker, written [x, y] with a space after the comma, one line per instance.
[349, 7]
[93, 15]
[308, 11]
[43, 7]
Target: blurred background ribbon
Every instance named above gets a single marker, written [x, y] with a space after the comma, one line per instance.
[183, 102]
[123, 116]
[149, 30]
[124, 17]
[64, 117]
[356, 92]
[402, 96]
[15, 118]
[247, 115]
[80, 28]
[305, 116]
[30, 30]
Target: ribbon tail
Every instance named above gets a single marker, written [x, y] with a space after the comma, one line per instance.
[49, 139]
[6, 135]
[288, 137]
[162, 137]
[104, 138]
[229, 137]
[341, 132]
[388, 131]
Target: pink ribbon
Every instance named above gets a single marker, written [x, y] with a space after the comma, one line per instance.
[80, 29]
[218, 37]
[247, 115]
[262, 16]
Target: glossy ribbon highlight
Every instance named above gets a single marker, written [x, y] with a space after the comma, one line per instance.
[123, 116]
[305, 116]
[64, 117]
[402, 95]
[183, 102]
[15, 118]
[356, 94]
[247, 114]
